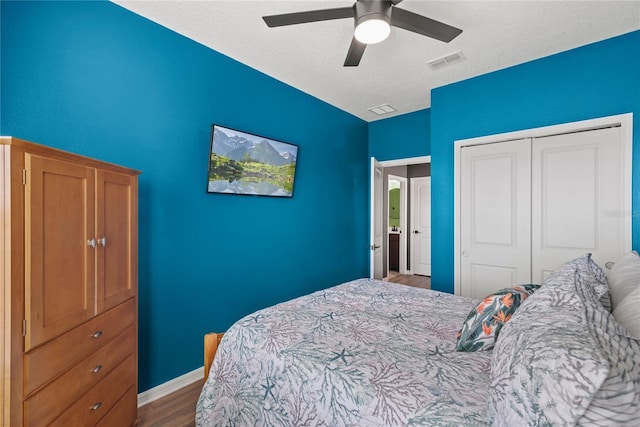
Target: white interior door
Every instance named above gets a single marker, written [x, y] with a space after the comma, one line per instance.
[495, 216]
[377, 234]
[421, 226]
[578, 194]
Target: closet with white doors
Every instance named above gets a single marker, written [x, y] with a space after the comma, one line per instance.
[528, 205]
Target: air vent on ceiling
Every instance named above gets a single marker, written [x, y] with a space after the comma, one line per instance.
[383, 109]
[446, 60]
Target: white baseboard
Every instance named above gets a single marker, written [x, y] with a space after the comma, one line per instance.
[170, 386]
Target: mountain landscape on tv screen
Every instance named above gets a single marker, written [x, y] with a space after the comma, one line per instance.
[250, 165]
[237, 147]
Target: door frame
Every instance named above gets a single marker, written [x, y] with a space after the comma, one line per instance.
[374, 190]
[385, 164]
[625, 121]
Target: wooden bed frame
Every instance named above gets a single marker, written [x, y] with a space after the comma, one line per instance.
[211, 342]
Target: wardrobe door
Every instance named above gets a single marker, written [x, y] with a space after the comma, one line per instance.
[578, 199]
[59, 223]
[116, 230]
[495, 217]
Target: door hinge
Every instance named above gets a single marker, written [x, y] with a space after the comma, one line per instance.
[24, 177]
[24, 327]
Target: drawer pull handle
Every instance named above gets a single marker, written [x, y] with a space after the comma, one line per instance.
[102, 241]
[97, 334]
[96, 406]
[97, 369]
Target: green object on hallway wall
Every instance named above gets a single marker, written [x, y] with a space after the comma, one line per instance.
[394, 207]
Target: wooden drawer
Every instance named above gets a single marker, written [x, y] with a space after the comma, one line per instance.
[95, 404]
[54, 398]
[46, 362]
[124, 413]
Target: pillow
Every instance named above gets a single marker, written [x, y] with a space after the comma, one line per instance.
[593, 277]
[624, 277]
[627, 313]
[617, 401]
[482, 326]
[545, 368]
[564, 360]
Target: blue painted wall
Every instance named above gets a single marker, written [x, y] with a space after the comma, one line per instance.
[401, 137]
[596, 80]
[93, 78]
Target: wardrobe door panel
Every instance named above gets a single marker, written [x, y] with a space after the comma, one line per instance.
[495, 217]
[116, 231]
[578, 198]
[59, 279]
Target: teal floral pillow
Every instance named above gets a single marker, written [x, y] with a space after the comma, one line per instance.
[481, 327]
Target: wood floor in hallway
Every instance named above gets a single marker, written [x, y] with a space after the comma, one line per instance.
[414, 280]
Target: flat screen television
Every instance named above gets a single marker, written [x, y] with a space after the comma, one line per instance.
[248, 164]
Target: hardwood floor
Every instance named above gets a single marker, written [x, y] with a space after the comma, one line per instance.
[179, 408]
[410, 279]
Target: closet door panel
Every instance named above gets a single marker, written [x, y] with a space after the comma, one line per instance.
[577, 196]
[495, 217]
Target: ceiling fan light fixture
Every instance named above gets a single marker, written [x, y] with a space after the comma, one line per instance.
[372, 28]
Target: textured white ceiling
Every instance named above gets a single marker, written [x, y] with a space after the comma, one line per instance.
[309, 57]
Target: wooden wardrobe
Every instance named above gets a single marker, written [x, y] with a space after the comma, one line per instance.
[68, 289]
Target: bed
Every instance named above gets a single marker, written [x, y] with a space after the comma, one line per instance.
[372, 353]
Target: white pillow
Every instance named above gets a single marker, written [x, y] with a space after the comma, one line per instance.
[627, 312]
[624, 277]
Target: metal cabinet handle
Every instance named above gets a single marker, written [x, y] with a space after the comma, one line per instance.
[96, 406]
[416, 231]
[97, 334]
[92, 243]
[102, 241]
[97, 369]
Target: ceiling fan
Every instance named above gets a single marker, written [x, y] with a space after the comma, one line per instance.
[373, 20]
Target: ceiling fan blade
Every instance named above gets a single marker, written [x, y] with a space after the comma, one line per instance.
[356, 50]
[422, 25]
[308, 16]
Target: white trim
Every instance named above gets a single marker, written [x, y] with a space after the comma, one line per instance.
[405, 162]
[626, 123]
[372, 218]
[624, 120]
[170, 386]
[387, 164]
[456, 217]
[403, 224]
[582, 125]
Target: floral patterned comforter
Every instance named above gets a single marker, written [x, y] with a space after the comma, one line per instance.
[364, 353]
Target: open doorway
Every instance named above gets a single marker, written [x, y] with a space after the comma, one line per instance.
[392, 224]
[396, 224]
